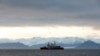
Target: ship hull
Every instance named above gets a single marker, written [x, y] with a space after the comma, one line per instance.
[52, 48]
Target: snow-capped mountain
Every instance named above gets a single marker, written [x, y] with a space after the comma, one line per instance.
[39, 40]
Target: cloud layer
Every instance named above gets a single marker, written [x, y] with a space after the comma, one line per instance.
[50, 12]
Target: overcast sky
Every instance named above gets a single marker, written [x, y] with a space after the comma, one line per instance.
[49, 13]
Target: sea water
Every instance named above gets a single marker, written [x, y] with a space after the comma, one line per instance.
[35, 52]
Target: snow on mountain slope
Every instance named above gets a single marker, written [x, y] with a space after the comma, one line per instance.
[40, 40]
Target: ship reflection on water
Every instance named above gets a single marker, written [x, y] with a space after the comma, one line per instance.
[52, 46]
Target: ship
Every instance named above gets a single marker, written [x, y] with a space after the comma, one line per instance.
[52, 46]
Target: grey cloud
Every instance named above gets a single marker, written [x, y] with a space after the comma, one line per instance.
[68, 5]
[49, 12]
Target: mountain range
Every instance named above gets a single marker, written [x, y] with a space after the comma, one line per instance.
[89, 45]
[35, 43]
[13, 46]
[39, 40]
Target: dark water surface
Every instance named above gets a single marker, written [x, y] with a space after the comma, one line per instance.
[32, 52]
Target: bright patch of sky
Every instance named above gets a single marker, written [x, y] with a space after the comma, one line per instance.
[46, 31]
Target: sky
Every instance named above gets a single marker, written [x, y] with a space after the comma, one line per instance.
[49, 18]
